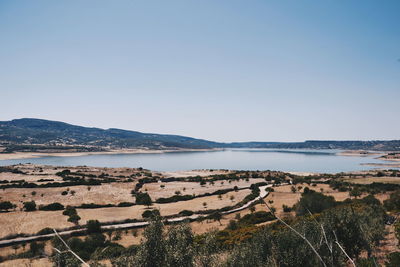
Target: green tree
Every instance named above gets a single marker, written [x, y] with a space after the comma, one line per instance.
[179, 246]
[36, 249]
[252, 209]
[393, 203]
[207, 250]
[74, 218]
[150, 213]
[393, 259]
[216, 216]
[30, 206]
[313, 202]
[93, 227]
[152, 251]
[69, 210]
[7, 205]
[355, 192]
[143, 199]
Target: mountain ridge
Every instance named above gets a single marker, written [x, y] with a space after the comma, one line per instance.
[28, 134]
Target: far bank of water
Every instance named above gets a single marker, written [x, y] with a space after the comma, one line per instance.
[236, 159]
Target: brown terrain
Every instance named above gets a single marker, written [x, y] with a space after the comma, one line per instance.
[119, 187]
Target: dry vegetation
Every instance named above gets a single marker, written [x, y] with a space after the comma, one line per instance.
[120, 189]
[157, 190]
[112, 193]
[370, 180]
[19, 221]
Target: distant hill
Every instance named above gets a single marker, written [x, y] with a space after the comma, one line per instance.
[44, 135]
[53, 133]
[392, 145]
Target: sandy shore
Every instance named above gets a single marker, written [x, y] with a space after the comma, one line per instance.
[391, 156]
[29, 155]
[383, 165]
[304, 173]
[359, 153]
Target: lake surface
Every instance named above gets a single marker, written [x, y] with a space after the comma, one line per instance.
[237, 159]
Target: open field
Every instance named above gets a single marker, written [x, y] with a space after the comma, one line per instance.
[112, 193]
[116, 185]
[370, 180]
[359, 153]
[162, 189]
[42, 262]
[202, 173]
[31, 222]
[283, 195]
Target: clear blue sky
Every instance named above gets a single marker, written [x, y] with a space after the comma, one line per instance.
[220, 70]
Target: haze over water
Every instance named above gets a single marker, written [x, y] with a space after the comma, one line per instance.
[326, 161]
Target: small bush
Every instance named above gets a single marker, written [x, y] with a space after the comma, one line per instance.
[393, 259]
[150, 213]
[30, 206]
[93, 227]
[45, 231]
[74, 218]
[52, 206]
[143, 199]
[126, 204]
[174, 198]
[6, 205]
[286, 208]
[256, 217]
[186, 213]
[69, 211]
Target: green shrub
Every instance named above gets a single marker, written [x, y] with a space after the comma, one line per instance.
[393, 259]
[256, 217]
[45, 231]
[174, 198]
[7, 205]
[126, 204]
[93, 227]
[286, 208]
[111, 251]
[52, 206]
[313, 202]
[74, 218]
[94, 206]
[36, 249]
[186, 213]
[69, 210]
[143, 199]
[150, 213]
[393, 203]
[30, 206]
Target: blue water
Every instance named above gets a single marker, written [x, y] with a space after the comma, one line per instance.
[236, 159]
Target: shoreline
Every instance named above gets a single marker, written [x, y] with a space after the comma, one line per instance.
[383, 165]
[359, 153]
[31, 155]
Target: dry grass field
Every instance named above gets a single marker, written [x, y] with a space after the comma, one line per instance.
[202, 173]
[119, 190]
[28, 178]
[112, 193]
[42, 262]
[32, 222]
[157, 190]
[370, 180]
[18, 221]
[283, 195]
